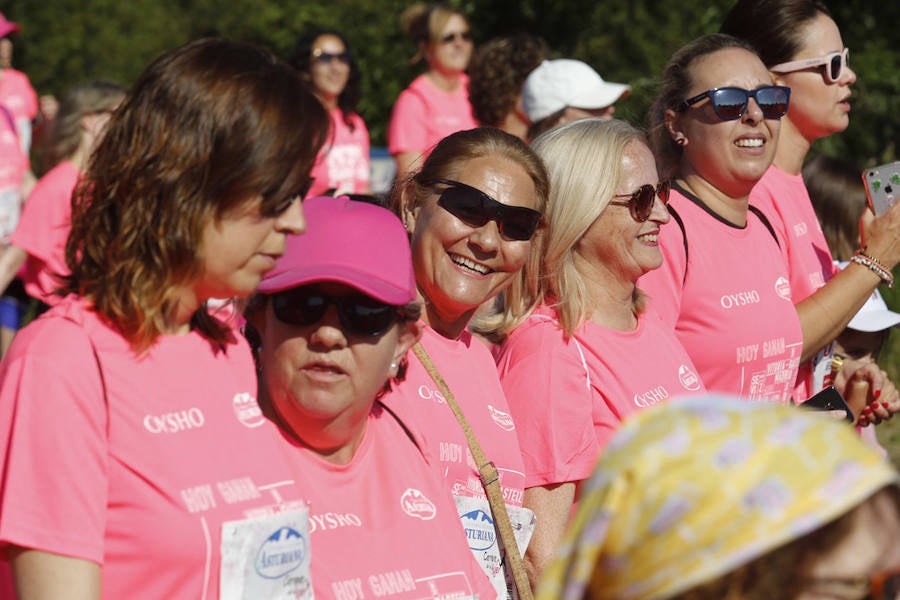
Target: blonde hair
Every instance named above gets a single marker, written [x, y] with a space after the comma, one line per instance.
[424, 24]
[584, 161]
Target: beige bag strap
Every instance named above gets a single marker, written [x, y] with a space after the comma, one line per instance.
[490, 479]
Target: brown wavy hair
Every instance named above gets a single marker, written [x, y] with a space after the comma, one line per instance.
[204, 129]
[497, 73]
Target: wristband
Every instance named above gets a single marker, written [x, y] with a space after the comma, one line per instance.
[874, 265]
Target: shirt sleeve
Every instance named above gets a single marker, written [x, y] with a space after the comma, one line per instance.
[546, 388]
[53, 420]
[406, 130]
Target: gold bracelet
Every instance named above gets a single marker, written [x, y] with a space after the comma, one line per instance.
[867, 262]
[864, 251]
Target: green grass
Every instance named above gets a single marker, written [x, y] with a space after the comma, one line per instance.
[889, 432]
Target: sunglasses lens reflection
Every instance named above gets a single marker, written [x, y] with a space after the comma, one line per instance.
[730, 103]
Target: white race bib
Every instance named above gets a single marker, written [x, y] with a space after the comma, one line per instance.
[267, 557]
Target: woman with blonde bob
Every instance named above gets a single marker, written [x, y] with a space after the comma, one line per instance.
[567, 364]
[127, 411]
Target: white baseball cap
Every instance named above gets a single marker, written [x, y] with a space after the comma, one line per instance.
[874, 314]
[556, 84]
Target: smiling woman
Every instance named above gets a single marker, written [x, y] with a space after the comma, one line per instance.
[567, 364]
[802, 46]
[472, 213]
[723, 283]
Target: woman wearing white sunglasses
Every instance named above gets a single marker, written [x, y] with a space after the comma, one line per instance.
[802, 47]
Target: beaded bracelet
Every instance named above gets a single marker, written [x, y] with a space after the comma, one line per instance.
[864, 251]
[873, 264]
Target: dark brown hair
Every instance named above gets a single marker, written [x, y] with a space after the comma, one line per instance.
[301, 59]
[205, 128]
[497, 73]
[773, 27]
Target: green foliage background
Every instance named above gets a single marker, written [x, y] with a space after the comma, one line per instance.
[67, 41]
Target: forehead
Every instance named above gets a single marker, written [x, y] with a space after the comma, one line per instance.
[638, 168]
[499, 178]
[728, 67]
[454, 23]
[328, 41]
[819, 36]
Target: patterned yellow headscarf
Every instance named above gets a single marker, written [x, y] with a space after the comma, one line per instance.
[691, 490]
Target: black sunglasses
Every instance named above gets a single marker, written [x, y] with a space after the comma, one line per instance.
[465, 36]
[730, 103]
[358, 314]
[322, 57]
[640, 202]
[475, 208]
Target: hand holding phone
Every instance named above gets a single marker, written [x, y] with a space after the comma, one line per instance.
[882, 186]
[830, 399]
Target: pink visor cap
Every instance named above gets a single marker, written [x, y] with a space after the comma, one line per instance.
[8, 27]
[355, 243]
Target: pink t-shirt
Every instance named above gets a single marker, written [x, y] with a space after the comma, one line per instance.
[568, 396]
[17, 95]
[384, 524]
[14, 164]
[730, 302]
[785, 201]
[43, 229]
[468, 368]
[343, 162]
[424, 115]
[140, 478]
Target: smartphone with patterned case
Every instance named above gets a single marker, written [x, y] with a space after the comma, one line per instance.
[882, 186]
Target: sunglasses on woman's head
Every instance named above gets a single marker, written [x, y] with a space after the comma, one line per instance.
[358, 314]
[640, 202]
[465, 36]
[475, 208]
[730, 103]
[324, 58]
[834, 62]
